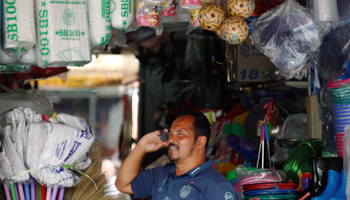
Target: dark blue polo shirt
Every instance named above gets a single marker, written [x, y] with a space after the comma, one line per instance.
[200, 183]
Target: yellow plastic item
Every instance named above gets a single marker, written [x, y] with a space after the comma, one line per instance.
[226, 167]
[241, 118]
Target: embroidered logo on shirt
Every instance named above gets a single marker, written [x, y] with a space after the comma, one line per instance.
[167, 198]
[228, 196]
[163, 183]
[185, 191]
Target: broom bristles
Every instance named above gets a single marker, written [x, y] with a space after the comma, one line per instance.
[85, 190]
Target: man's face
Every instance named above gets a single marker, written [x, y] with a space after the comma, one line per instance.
[181, 142]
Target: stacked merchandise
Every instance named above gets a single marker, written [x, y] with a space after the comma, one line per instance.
[41, 148]
[277, 190]
[263, 184]
[340, 99]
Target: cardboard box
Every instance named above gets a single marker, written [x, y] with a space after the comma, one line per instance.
[251, 63]
[95, 151]
[314, 123]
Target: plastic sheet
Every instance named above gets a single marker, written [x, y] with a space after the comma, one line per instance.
[295, 126]
[288, 36]
[29, 99]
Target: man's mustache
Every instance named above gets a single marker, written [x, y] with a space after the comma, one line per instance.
[170, 145]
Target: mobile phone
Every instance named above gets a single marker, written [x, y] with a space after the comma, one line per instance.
[163, 136]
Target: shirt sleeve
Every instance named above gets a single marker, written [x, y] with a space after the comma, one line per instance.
[222, 190]
[142, 185]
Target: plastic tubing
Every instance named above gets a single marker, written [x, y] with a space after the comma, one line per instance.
[300, 156]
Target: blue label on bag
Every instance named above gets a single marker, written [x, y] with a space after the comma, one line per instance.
[73, 150]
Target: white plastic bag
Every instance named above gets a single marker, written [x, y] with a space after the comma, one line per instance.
[62, 34]
[122, 14]
[27, 59]
[99, 22]
[18, 27]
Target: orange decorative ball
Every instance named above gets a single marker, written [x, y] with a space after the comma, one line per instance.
[233, 30]
[211, 16]
[241, 8]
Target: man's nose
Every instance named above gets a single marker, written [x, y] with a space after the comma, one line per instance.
[172, 138]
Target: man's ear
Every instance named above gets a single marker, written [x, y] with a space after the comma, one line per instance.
[201, 141]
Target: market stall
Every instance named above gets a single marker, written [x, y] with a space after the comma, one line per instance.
[271, 76]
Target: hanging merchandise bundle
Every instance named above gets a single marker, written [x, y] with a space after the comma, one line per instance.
[233, 29]
[62, 33]
[45, 149]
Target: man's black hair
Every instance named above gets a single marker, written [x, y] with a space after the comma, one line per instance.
[201, 124]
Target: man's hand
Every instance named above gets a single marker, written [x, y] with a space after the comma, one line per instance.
[151, 142]
[131, 166]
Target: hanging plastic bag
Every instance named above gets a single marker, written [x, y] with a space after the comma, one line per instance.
[289, 36]
[333, 54]
[168, 8]
[13, 68]
[343, 11]
[194, 20]
[191, 4]
[169, 12]
[99, 22]
[122, 14]
[148, 14]
[63, 34]
[325, 14]
[10, 154]
[64, 145]
[27, 59]
[18, 27]
[34, 100]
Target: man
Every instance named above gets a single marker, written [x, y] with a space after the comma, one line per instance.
[189, 175]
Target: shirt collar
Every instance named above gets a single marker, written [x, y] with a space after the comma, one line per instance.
[193, 172]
